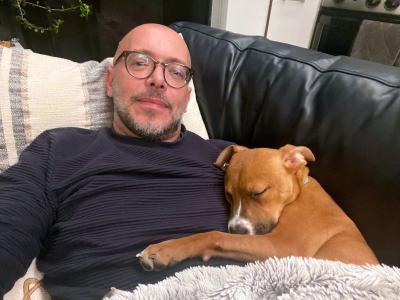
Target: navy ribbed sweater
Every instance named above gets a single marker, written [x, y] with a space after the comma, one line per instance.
[86, 202]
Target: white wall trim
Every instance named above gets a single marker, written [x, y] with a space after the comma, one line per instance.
[219, 10]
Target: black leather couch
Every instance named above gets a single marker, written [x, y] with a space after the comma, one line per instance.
[261, 93]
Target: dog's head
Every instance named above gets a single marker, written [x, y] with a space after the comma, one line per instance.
[260, 182]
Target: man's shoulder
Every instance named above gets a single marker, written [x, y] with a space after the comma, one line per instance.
[213, 141]
[222, 144]
[69, 134]
[66, 136]
[216, 144]
[69, 131]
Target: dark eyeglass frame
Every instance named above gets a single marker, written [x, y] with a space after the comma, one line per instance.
[126, 53]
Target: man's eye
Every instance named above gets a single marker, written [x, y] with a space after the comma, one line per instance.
[139, 63]
[177, 72]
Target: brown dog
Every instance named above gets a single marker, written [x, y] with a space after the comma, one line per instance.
[264, 186]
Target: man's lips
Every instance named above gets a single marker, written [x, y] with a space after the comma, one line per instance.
[152, 102]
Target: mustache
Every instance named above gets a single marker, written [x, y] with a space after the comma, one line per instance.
[151, 94]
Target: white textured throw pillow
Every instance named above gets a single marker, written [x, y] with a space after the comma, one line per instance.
[39, 92]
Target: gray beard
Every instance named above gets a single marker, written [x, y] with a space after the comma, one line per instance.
[147, 131]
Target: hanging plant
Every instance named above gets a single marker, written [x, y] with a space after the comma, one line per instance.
[84, 11]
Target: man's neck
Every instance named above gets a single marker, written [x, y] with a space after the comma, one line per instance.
[123, 130]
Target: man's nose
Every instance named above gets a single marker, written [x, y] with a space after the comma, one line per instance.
[157, 78]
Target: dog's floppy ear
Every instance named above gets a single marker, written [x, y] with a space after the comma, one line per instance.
[225, 156]
[296, 157]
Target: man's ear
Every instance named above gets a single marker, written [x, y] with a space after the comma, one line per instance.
[109, 80]
[188, 93]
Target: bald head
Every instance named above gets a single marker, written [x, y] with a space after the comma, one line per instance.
[150, 37]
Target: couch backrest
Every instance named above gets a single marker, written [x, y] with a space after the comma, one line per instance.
[260, 93]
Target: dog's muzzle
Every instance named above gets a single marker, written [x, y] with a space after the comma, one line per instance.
[264, 228]
[238, 229]
[240, 225]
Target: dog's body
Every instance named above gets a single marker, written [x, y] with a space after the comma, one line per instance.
[263, 186]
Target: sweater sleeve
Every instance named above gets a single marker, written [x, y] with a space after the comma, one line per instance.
[26, 213]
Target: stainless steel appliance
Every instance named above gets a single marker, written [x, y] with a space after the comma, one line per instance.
[338, 22]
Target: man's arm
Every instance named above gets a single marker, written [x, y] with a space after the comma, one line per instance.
[26, 211]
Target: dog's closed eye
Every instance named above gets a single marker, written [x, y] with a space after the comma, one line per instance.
[228, 197]
[256, 195]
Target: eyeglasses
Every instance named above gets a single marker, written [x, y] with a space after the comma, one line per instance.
[141, 66]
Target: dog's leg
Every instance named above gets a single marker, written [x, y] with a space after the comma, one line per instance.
[343, 246]
[214, 243]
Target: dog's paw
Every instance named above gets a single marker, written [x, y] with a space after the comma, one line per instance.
[146, 260]
[155, 258]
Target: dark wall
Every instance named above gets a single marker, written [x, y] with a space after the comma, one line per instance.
[81, 39]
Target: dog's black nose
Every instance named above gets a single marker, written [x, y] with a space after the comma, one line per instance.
[238, 229]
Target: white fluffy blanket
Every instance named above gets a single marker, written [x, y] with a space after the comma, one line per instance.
[284, 278]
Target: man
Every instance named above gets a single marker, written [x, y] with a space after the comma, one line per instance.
[86, 202]
[150, 107]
